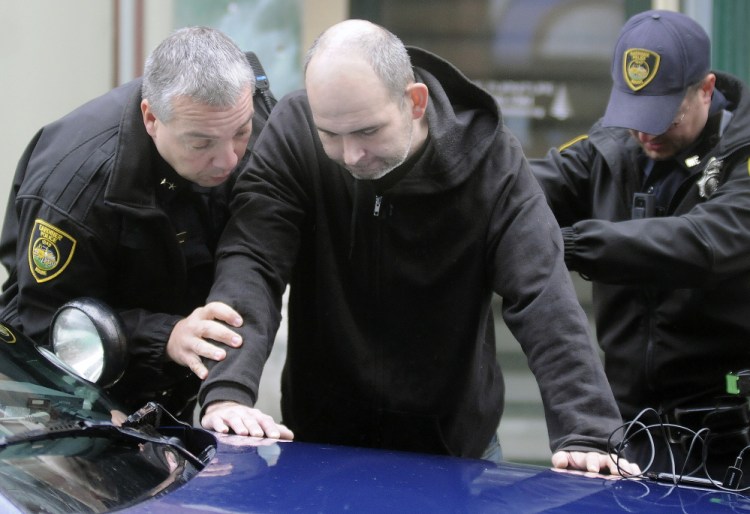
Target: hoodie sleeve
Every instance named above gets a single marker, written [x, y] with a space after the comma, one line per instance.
[254, 267]
[543, 313]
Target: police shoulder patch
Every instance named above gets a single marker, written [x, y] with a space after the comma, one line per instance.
[639, 67]
[50, 251]
[7, 335]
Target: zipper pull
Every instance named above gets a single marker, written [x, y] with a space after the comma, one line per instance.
[378, 201]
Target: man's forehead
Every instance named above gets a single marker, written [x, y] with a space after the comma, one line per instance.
[350, 112]
[189, 111]
[340, 69]
[344, 92]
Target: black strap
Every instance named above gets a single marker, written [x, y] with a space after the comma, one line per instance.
[262, 85]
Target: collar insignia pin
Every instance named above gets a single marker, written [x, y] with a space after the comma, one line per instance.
[170, 185]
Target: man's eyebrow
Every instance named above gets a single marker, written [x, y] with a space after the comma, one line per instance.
[359, 130]
[249, 119]
[248, 123]
[200, 135]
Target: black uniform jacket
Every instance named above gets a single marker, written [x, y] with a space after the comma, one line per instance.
[83, 219]
[671, 293]
[391, 335]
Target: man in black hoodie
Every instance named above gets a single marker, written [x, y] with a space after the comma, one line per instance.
[395, 202]
[655, 207]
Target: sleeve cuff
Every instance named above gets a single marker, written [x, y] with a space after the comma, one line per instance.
[224, 392]
[569, 236]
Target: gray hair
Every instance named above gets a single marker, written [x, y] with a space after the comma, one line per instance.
[200, 63]
[382, 49]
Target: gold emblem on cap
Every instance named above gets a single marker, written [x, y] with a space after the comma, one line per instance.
[639, 67]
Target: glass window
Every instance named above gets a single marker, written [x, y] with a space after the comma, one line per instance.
[270, 29]
[547, 62]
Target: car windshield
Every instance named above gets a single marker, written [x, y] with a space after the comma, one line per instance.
[63, 445]
[36, 393]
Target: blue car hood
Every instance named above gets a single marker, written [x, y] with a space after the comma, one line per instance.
[257, 475]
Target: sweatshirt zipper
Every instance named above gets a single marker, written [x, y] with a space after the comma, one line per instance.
[378, 299]
[378, 203]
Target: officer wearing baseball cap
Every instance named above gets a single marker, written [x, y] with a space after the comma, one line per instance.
[655, 207]
[658, 56]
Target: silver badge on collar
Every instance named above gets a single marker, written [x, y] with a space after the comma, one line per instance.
[709, 181]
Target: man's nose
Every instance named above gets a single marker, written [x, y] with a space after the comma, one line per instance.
[645, 138]
[226, 157]
[352, 151]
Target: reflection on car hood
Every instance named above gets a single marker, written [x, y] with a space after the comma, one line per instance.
[252, 475]
[89, 471]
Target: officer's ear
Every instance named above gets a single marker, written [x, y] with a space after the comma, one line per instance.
[707, 87]
[149, 120]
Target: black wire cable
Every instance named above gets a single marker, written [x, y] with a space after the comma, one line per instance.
[698, 439]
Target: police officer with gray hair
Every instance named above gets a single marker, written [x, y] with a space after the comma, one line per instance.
[124, 199]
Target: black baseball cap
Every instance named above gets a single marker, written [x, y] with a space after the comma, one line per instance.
[658, 55]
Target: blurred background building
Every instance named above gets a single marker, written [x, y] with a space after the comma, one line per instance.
[545, 61]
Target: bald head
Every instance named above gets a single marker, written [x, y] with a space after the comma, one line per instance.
[362, 41]
[365, 104]
[344, 33]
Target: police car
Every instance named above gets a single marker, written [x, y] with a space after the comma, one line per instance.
[66, 447]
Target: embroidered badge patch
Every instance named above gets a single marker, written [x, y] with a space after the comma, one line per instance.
[50, 251]
[6, 335]
[639, 67]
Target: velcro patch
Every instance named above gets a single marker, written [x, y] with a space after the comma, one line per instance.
[639, 67]
[50, 251]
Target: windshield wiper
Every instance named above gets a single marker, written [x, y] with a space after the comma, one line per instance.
[88, 428]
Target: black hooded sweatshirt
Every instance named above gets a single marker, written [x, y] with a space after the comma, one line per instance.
[391, 335]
